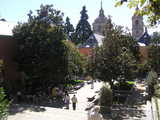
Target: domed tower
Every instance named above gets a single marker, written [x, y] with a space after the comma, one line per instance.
[137, 26]
[99, 23]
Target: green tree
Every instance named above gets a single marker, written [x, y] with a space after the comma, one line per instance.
[154, 55]
[83, 29]
[4, 104]
[116, 59]
[68, 28]
[150, 8]
[40, 51]
[76, 61]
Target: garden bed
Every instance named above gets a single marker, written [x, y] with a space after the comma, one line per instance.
[75, 84]
[122, 91]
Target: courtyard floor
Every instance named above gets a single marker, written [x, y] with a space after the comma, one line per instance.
[137, 108]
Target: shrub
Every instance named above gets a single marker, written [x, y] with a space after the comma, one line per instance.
[75, 82]
[4, 104]
[106, 96]
[157, 90]
[124, 86]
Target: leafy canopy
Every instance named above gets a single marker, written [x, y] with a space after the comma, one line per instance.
[68, 28]
[4, 104]
[154, 55]
[40, 51]
[76, 61]
[115, 59]
[150, 8]
[83, 29]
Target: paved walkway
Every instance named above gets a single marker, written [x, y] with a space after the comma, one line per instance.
[85, 92]
[137, 107]
[49, 113]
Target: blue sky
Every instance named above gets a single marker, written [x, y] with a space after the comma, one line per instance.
[17, 10]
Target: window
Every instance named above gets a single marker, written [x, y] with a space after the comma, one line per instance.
[136, 22]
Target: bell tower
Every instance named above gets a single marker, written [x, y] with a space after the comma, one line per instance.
[99, 22]
[137, 25]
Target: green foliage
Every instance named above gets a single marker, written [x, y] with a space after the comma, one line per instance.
[106, 96]
[154, 55]
[150, 8]
[40, 51]
[76, 61]
[117, 58]
[83, 29]
[130, 82]
[48, 14]
[127, 85]
[68, 28]
[74, 82]
[142, 69]
[4, 104]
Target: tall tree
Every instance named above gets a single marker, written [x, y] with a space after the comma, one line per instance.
[76, 61]
[68, 28]
[83, 29]
[150, 8]
[115, 60]
[40, 51]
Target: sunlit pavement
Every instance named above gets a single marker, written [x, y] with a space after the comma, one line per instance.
[50, 114]
[62, 114]
[85, 92]
[80, 114]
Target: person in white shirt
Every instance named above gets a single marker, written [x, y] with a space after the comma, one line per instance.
[74, 101]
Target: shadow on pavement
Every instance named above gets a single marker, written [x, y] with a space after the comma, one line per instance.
[133, 109]
[17, 108]
[21, 107]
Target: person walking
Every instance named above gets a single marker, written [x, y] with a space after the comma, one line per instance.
[74, 101]
[94, 114]
[67, 100]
